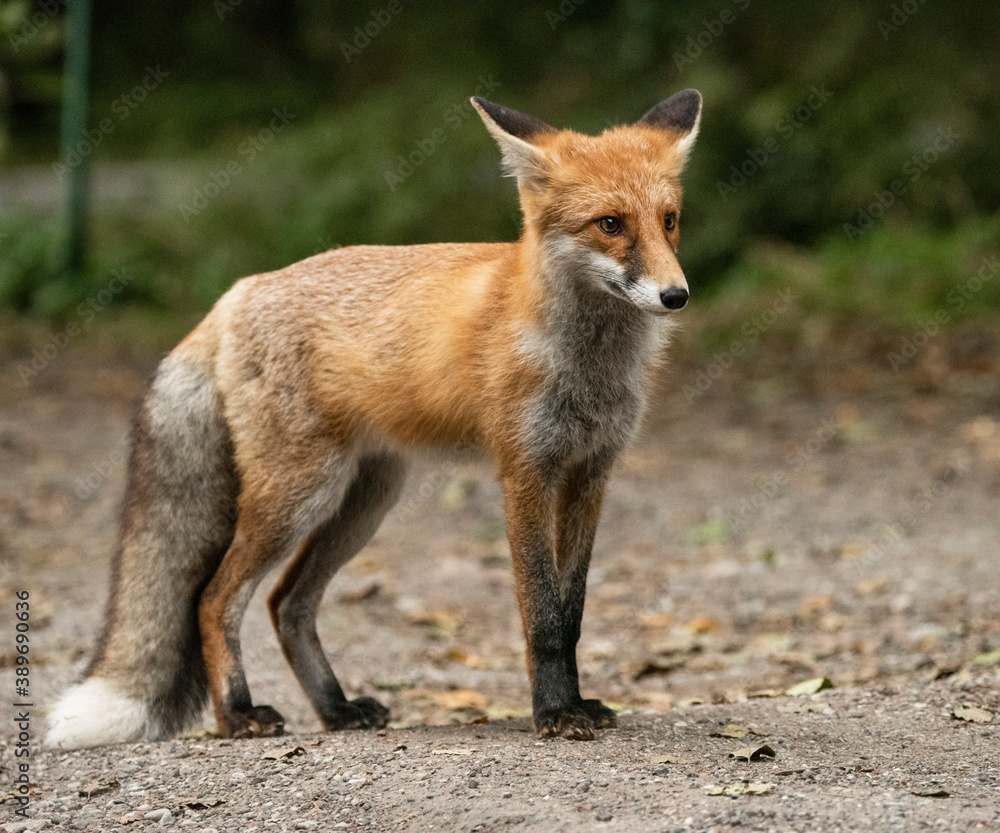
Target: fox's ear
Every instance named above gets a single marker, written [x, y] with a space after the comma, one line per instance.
[681, 113]
[514, 132]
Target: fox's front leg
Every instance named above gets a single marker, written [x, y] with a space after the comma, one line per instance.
[581, 494]
[530, 501]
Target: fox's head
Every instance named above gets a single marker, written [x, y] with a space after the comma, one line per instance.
[607, 207]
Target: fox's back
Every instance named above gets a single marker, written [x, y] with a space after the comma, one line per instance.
[392, 336]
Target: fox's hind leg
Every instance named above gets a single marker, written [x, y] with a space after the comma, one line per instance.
[278, 512]
[295, 600]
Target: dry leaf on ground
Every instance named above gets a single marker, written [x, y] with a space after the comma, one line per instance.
[988, 658]
[741, 788]
[807, 707]
[703, 625]
[283, 753]
[462, 698]
[753, 753]
[931, 792]
[367, 591]
[973, 714]
[809, 687]
[98, 788]
[656, 669]
[439, 621]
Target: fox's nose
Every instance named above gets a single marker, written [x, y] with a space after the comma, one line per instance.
[674, 298]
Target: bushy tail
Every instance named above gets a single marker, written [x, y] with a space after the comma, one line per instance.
[147, 678]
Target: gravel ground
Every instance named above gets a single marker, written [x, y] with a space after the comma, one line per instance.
[808, 515]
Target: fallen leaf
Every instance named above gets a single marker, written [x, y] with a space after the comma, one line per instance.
[507, 712]
[931, 792]
[368, 591]
[201, 803]
[480, 721]
[457, 750]
[462, 698]
[98, 788]
[806, 707]
[439, 621]
[753, 753]
[819, 603]
[711, 532]
[655, 669]
[973, 714]
[736, 731]
[656, 620]
[989, 658]
[283, 753]
[871, 587]
[764, 692]
[703, 624]
[809, 687]
[130, 818]
[655, 699]
[741, 788]
[665, 759]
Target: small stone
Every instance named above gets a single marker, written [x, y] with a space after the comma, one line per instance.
[603, 815]
[161, 815]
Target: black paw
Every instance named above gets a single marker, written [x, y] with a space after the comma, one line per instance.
[574, 725]
[603, 717]
[363, 713]
[257, 722]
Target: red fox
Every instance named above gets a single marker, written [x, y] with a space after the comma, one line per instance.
[281, 426]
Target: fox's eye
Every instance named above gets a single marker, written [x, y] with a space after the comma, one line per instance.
[609, 225]
[670, 221]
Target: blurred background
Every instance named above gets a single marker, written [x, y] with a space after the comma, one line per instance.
[848, 150]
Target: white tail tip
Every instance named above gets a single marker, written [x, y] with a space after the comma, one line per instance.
[93, 713]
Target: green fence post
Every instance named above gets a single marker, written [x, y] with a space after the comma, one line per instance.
[74, 128]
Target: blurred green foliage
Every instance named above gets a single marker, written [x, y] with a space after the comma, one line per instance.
[815, 116]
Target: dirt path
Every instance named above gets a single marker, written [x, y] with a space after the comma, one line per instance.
[797, 519]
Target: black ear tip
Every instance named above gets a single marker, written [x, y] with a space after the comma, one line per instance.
[518, 124]
[679, 112]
